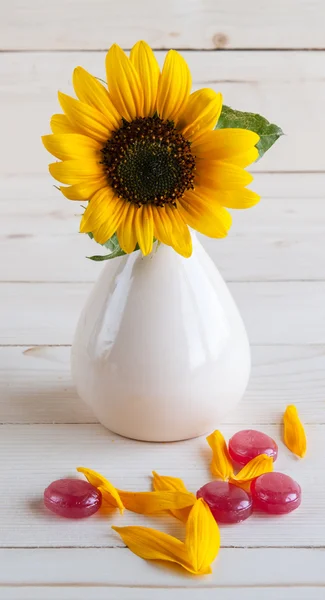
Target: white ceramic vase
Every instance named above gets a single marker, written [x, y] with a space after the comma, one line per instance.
[160, 352]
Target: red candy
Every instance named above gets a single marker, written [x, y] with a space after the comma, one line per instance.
[72, 498]
[276, 493]
[249, 443]
[227, 502]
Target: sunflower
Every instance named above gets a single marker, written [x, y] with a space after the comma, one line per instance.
[144, 153]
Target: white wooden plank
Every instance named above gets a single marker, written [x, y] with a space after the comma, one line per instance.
[94, 24]
[280, 85]
[121, 593]
[36, 386]
[274, 312]
[35, 455]
[280, 239]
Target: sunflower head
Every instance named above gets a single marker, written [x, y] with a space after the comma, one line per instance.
[144, 153]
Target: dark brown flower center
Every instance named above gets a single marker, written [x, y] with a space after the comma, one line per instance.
[148, 161]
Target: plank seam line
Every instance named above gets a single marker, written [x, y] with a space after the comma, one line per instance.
[160, 49]
[122, 586]
[226, 547]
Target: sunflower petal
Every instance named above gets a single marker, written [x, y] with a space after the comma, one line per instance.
[165, 483]
[257, 466]
[75, 171]
[202, 539]
[238, 198]
[201, 113]
[204, 214]
[61, 124]
[109, 492]
[223, 144]
[72, 146]
[151, 544]
[90, 91]
[85, 118]
[221, 465]
[83, 190]
[245, 159]
[148, 503]
[124, 84]
[174, 86]
[103, 215]
[126, 232]
[144, 228]
[219, 175]
[171, 229]
[145, 62]
[294, 433]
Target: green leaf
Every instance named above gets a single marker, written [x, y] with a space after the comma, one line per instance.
[268, 132]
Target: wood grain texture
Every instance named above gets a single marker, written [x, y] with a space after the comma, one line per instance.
[274, 312]
[36, 386]
[95, 24]
[305, 592]
[35, 455]
[278, 240]
[282, 86]
[138, 580]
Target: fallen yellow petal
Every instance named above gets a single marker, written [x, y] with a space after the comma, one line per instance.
[109, 492]
[151, 544]
[294, 433]
[221, 465]
[165, 483]
[257, 466]
[202, 537]
[148, 503]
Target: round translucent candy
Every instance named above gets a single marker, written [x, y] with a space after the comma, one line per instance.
[248, 443]
[276, 493]
[72, 498]
[227, 502]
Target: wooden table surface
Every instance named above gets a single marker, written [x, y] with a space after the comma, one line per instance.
[263, 56]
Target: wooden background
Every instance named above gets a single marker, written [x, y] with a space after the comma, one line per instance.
[263, 56]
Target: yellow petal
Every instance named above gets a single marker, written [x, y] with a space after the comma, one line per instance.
[103, 215]
[90, 91]
[171, 229]
[151, 544]
[238, 198]
[124, 84]
[174, 86]
[245, 159]
[202, 539]
[202, 211]
[165, 483]
[145, 62]
[83, 190]
[144, 228]
[148, 503]
[223, 144]
[162, 482]
[61, 124]
[85, 118]
[72, 146]
[219, 175]
[221, 465]
[75, 171]
[257, 466]
[109, 492]
[201, 113]
[126, 232]
[294, 433]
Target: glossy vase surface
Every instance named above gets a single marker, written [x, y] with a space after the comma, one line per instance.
[160, 351]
